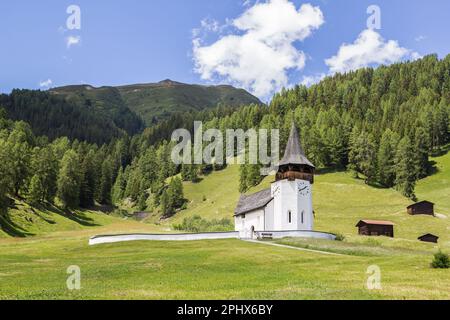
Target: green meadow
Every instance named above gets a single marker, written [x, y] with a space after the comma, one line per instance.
[34, 267]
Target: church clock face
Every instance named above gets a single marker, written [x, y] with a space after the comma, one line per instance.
[303, 188]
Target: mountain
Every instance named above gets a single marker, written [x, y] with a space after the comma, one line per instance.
[97, 117]
[154, 102]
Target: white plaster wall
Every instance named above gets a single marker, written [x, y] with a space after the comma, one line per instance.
[252, 219]
[163, 237]
[287, 198]
[269, 222]
[297, 234]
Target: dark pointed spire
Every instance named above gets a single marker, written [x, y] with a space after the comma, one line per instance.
[294, 153]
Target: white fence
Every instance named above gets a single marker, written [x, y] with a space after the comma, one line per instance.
[163, 237]
[294, 234]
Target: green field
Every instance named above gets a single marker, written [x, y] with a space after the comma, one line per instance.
[35, 267]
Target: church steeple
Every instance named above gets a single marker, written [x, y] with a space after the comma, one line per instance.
[295, 164]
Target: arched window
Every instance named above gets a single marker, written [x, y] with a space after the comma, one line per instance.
[303, 217]
[290, 216]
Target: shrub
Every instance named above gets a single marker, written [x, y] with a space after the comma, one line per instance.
[441, 261]
[198, 224]
[340, 237]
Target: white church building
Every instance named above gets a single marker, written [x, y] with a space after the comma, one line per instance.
[286, 208]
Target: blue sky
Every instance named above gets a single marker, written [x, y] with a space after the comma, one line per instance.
[210, 41]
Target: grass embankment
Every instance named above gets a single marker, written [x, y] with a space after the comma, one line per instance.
[35, 267]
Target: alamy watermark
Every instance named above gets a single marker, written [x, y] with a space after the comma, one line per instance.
[211, 147]
[374, 279]
[74, 280]
[374, 20]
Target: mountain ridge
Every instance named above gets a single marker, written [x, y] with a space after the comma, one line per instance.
[157, 101]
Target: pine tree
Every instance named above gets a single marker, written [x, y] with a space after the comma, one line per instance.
[166, 205]
[243, 178]
[106, 182]
[405, 169]
[35, 190]
[386, 158]
[69, 180]
[421, 152]
[142, 201]
[88, 180]
[118, 190]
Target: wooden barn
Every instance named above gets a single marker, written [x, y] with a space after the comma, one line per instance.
[376, 228]
[423, 207]
[429, 238]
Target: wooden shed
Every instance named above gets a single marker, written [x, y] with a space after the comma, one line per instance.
[376, 228]
[429, 238]
[423, 207]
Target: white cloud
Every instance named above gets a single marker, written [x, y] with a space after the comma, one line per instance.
[73, 40]
[420, 38]
[368, 50]
[46, 84]
[210, 25]
[310, 80]
[260, 52]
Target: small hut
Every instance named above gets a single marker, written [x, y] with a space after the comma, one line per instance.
[423, 207]
[429, 238]
[376, 228]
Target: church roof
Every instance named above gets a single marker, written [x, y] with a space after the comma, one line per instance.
[294, 153]
[253, 202]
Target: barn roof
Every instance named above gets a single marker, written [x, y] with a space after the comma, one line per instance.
[418, 203]
[294, 153]
[428, 235]
[253, 202]
[375, 222]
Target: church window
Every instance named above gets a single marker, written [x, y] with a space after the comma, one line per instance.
[303, 217]
[290, 217]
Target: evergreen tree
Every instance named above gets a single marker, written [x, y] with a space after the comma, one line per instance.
[69, 180]
[6, 183]
[405, 169]
[88, 180]
[386, 158]
[35, 190]
[243, 187]
[166, 204]
[106, 182]
[142, 201]
[421, 153]
[118, 190]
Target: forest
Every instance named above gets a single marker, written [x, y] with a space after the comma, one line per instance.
[382, 124]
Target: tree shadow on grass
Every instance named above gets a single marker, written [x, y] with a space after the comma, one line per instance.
[47, 220]
[432, 164]
[79, 218]
[321, 171]
[11, 228]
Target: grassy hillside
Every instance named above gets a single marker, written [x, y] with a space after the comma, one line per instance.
[340, 201]
[232, 269]
[157, 101]
[106, 100]
[82, 117]
[22, 220]
[221, 269]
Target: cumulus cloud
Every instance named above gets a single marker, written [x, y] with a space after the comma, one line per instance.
[310, 80]
[46, 84]
[72, 41]
[420, 38]
[260, 51]
[368, 50]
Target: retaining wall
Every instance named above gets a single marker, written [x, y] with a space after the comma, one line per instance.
[295, 234]
[163, 237]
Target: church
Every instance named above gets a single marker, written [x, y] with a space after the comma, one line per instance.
[287, 205]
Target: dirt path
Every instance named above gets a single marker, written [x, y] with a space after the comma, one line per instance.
[295, 248]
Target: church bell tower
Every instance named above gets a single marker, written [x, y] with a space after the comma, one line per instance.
[292, 189]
